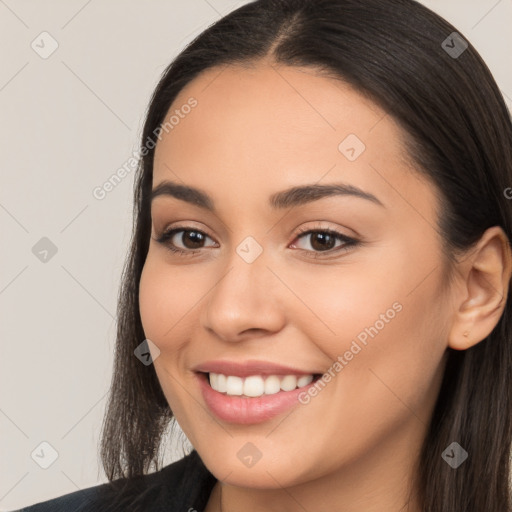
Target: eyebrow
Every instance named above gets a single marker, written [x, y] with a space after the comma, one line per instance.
[291, 197]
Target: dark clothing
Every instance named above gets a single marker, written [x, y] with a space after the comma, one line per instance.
[183, 486]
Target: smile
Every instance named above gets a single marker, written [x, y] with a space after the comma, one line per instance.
[257, 385]
[245, 400]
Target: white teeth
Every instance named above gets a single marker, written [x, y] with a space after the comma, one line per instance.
[256, 385]
[272, 385]
[289, 382]
[234, 385]
[303, 381]
[221, 383]
[214, 380]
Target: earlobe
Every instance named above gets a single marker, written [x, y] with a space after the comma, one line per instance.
[484, 283]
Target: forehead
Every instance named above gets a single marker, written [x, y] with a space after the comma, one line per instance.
[262, 128]
[268, 112]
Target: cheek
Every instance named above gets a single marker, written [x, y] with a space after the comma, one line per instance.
[150, 301]
[387, 334]
[385, 371]
[166, 298]
[399, 367]
[163, 316]
[392, 298]
[340, 304]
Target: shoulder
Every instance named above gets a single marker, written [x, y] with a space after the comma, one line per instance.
[186, 481]
[81, 500]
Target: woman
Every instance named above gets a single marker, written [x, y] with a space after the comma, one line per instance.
[318, 280]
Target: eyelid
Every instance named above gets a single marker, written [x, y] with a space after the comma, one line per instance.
[183, 225]
[347, 241]
[172, 230]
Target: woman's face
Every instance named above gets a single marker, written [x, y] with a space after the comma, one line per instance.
[373, 314]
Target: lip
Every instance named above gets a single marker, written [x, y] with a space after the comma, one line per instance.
[251, 367]
[247, 410]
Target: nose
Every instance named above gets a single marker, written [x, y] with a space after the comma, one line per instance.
[245, 301]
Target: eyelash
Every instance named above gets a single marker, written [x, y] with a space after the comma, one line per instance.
[302, 232]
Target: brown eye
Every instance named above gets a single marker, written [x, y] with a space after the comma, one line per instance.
[325, 240]
[191, 240]
[322, 241]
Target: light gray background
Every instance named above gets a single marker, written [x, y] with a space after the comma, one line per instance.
[68, 122]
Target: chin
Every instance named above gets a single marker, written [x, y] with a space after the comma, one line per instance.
[272, 472]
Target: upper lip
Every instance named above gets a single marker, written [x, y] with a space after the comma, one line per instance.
[246, 368]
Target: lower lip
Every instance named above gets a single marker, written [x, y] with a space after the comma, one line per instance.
[246, 410]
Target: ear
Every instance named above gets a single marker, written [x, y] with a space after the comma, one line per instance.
[483, 277]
